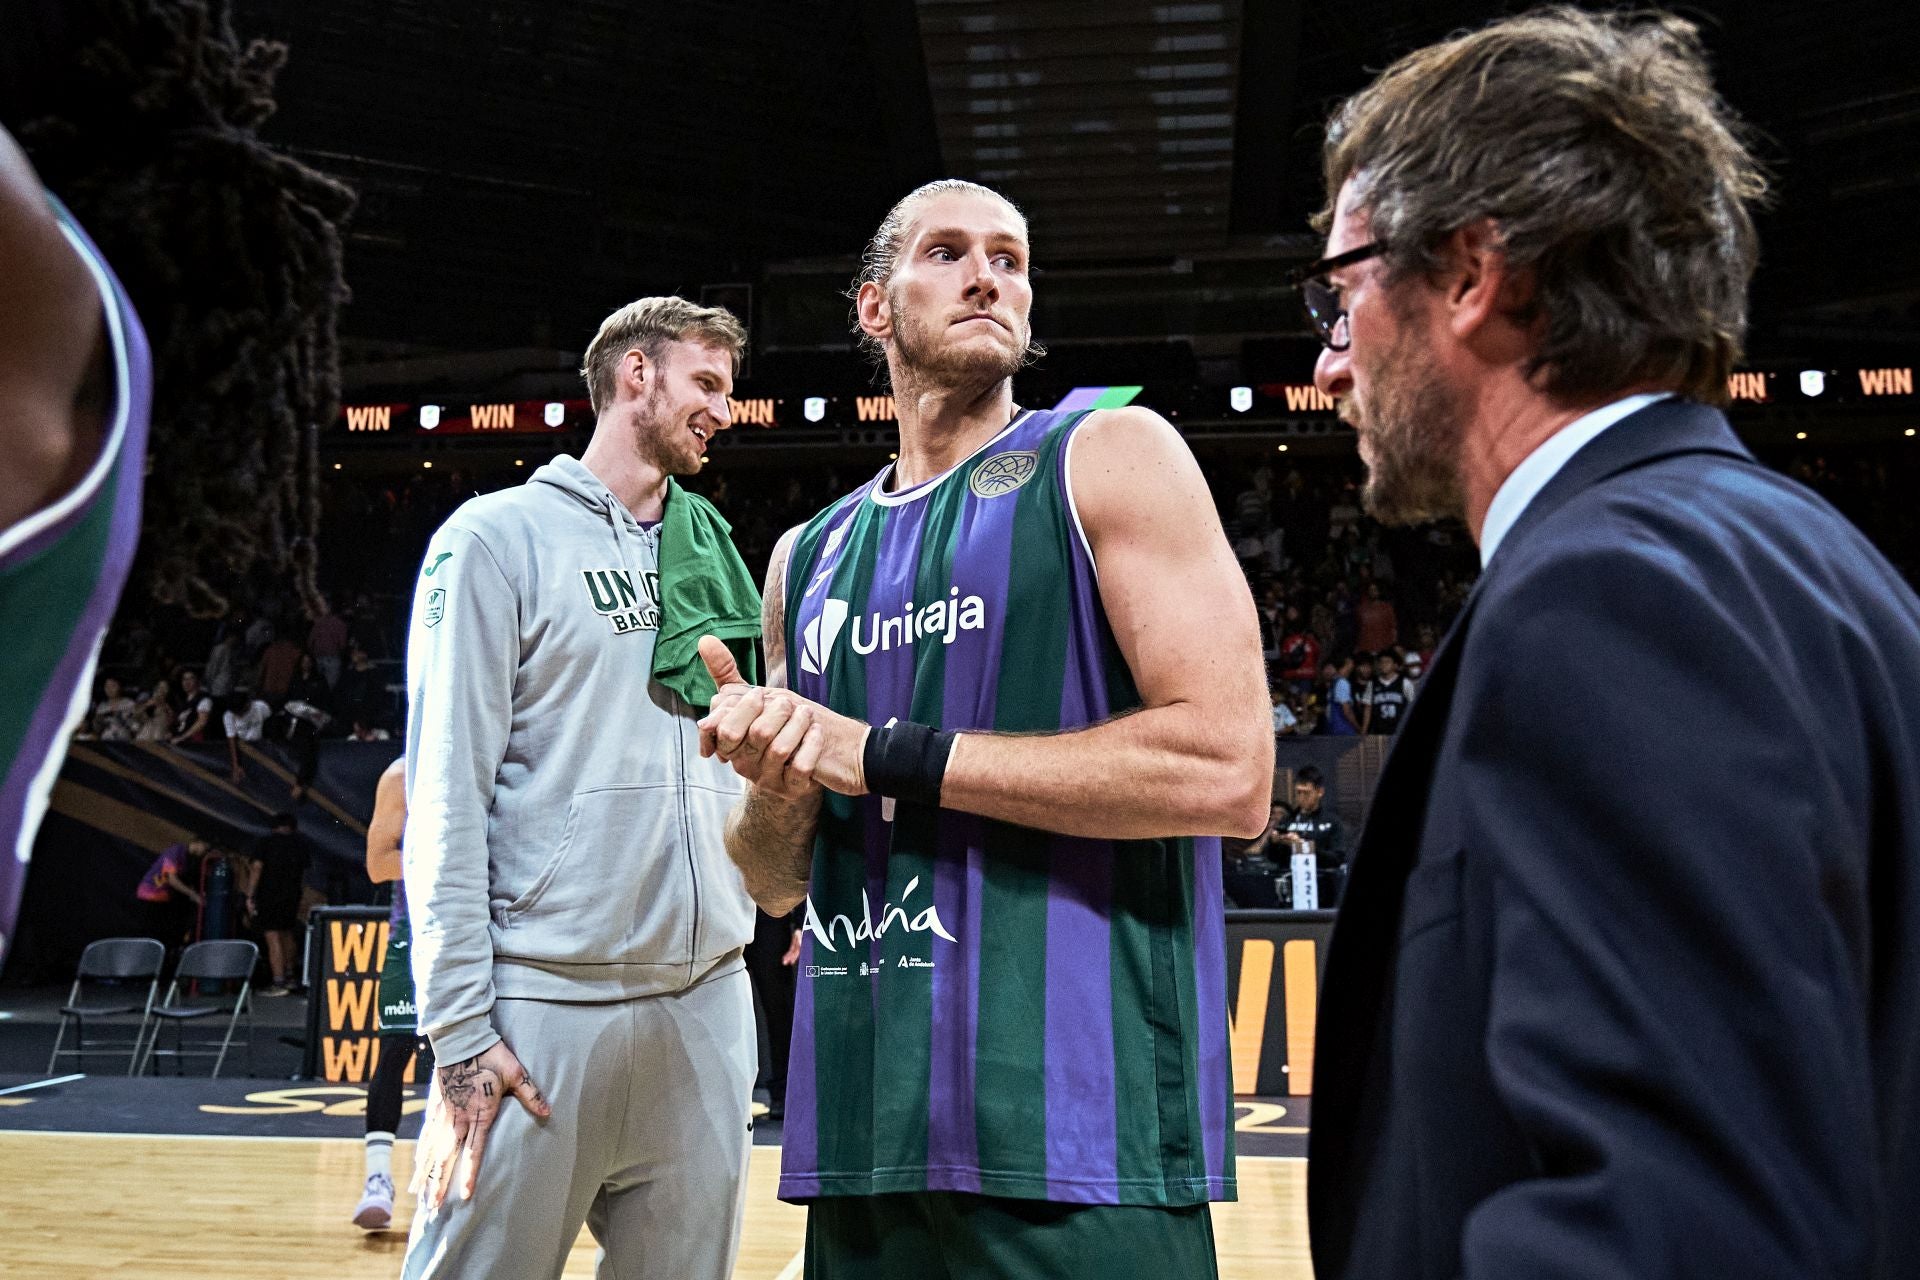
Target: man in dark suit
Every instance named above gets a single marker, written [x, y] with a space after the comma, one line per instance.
[1556, 1038]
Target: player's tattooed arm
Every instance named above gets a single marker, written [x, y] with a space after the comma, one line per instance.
[770, 832]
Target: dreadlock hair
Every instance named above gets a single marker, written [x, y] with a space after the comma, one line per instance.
[231, 252]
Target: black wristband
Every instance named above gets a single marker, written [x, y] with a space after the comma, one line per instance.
[907, 761]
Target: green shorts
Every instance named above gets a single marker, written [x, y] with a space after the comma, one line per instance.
[396, 983]
[947, 1235]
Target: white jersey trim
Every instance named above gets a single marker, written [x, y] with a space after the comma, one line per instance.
[96, 476]
[877, 490]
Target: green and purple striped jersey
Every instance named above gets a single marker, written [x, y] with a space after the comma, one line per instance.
[986, 1007]
[61, 570]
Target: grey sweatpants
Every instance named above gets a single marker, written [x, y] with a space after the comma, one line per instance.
[647, 1143]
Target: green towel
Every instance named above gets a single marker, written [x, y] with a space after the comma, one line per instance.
[705, 589]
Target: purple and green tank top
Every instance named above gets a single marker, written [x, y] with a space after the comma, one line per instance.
[986, 1007]
[61, 570]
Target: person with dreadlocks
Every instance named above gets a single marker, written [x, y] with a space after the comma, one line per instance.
[143, 116]
[76, 384]
[229, 249]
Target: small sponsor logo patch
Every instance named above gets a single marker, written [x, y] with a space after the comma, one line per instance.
[436, 606]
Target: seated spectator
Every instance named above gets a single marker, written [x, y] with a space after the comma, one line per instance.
[115, 717]
[1340, 602]
[361, 699]
[363, 624]
[1248, 549]
[1314, 824]
[1284, 720]
[196, 710]
[1363, 691]
[1310, 711]
[223, 666]
[1390, 695]
[1424, 645]
[1342, 717]
[1377, 626]
[155, 715]
[360, 691]
[258, 635]
[277, 667]
[1299, 652]
[327, 642]
[1320, 622]
[1268, 614]
[1343, 517]
[309, 687]
[1380, 564]
[1253, 509]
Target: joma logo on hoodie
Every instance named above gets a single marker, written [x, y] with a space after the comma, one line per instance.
[614, 598]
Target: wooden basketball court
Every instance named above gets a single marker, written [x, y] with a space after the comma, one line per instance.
[81, 1206]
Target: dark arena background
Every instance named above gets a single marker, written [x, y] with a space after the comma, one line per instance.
[371, 241]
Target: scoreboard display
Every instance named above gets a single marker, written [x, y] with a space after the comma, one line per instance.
[1191, 404]
[523, 417]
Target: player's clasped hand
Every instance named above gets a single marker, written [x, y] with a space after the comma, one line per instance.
[465, 1099]
[776, 739]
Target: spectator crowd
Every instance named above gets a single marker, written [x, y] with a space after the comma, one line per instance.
[1350, 611]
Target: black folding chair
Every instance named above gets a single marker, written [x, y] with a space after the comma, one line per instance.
[113, 963]
[214, 965]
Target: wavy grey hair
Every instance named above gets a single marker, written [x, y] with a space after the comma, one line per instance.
[1613, 170]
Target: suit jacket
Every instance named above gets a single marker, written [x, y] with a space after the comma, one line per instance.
[1626, 982]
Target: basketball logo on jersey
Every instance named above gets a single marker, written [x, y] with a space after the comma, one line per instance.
[1003, 473]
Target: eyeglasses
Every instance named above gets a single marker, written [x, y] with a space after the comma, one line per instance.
[1324, 312]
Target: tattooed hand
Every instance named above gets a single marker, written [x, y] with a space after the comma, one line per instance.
[464, 1101]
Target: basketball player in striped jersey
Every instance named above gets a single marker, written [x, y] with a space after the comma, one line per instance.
[75, 389]
[1015, 697]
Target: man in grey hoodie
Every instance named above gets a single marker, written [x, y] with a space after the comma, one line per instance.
[577, 922]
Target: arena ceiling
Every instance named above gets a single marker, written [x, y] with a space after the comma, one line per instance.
[523, 166]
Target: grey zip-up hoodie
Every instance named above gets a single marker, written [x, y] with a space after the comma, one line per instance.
[563, 835]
